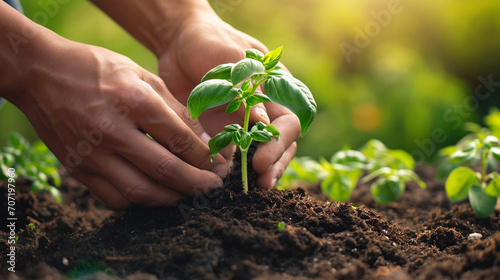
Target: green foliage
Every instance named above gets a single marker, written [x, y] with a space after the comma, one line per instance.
[479, 150]
[301, 170]
[237, 84]
[339, 176]
[32, 162]
[475, 150]
[412, 73]
[281, 226]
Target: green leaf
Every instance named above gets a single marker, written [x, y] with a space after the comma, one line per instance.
[273, 130]
[254, 54]
[350, 158]
[237, 137]
[495, 152]
[272, 58]
[336, 187]
[18, 142]
[373, 148]
[482, 204]
[458, 183]
[261, 136]
[444, 170]
[56, 194]
[406, 175]
[294, 95]
[210, 94]
[234, 105]
[491, 141]
[281, 226]
[256, 99]
[245, 140]
[278, 71]
[461, 156]
[471, 146]
[387, 190]
[56, 178]
[222, 71]
[37, 186]
[493, 188]
[233, 127]
[245, 87]
[383, 172]
[245, 68]
[219, 142]
[4, 168]
[39, 148]
[402, 159]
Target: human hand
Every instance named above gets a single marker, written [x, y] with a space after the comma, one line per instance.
[93, 108]
[203, 41]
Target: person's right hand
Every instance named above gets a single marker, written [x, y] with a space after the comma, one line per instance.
[93, 108]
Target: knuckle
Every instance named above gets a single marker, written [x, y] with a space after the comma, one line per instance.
[163, 169]
[180, 143]
[138, 193]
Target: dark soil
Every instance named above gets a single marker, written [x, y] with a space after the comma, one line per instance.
[228, 235]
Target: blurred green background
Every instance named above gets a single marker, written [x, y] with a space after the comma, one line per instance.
[405, 72]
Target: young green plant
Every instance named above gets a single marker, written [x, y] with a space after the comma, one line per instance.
[482, 188]
[33, 162]
[237, 84]
[340, 175]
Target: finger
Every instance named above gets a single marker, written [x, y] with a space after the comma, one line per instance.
[137, 187]
[270, 152]
[167, 128]
[103, 190]
[268, 179]
[258, 113]
[166, 168]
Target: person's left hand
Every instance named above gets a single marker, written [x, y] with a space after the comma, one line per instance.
[203, 42]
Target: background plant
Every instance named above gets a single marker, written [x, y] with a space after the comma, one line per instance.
[32, 162]
[475, 155]
[390, 169]
[237, 84]
[396, 89]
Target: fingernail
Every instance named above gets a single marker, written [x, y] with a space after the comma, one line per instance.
[221, 170]
[273, 182]
[205, 137]
[262, 114]
[219, 184]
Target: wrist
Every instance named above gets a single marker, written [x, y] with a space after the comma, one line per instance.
[155, 23]
[180, 14]
[19, 53]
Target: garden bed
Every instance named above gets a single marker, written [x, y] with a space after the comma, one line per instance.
[229, 235]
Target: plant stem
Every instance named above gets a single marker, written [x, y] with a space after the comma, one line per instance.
[244, 174]
[484, 167]
[244, 152]
[246, 124]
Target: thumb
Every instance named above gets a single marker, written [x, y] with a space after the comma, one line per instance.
[258, 113]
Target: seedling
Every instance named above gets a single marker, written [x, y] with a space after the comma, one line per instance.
[482, 188]
[340, 175]
[32, 162]
[237, 84]
[281, 226]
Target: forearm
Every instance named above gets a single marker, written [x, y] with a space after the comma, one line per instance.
[20, 49]
[154, 22]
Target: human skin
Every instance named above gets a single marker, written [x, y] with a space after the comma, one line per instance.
[93, 107]
[189, 39]
[99, 105]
